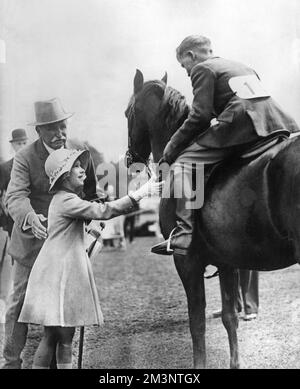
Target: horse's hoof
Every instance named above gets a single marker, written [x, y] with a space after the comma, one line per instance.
[200, 367]
[238, 364]
[250, 316]
[215, 315]
[235, 365]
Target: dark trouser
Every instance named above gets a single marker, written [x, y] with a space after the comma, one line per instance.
[248, 291]
[15, 333]
[186, 187]
[6, 267]
[129, 227]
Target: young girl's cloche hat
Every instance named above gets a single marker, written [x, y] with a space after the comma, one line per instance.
[61, 161]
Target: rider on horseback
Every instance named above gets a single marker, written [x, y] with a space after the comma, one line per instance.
[232, 94]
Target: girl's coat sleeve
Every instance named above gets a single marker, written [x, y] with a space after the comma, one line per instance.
[74, 207]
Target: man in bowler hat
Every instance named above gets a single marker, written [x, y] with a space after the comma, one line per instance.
[18, 140]
[28, 201]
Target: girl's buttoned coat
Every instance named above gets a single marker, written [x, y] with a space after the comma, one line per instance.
[61, 289]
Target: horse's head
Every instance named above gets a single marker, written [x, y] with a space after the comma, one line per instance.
[143, 117]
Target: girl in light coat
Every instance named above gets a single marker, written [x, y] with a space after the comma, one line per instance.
[61, 292]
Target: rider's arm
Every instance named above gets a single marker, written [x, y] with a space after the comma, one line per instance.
[203, 82]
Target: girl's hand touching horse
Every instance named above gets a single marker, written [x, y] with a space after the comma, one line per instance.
[149, 189]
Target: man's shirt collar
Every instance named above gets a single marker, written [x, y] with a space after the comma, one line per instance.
[49, 149]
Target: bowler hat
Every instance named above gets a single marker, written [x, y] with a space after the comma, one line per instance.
[49, 111]
[18, 135]
[61, 161]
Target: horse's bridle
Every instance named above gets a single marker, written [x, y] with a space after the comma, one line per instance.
[132, 156]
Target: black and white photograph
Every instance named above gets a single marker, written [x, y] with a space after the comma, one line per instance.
[149, 194]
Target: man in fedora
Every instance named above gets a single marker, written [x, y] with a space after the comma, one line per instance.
[18, 140]
[28, 201]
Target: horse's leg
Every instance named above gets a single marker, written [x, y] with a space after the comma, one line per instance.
[229, 292]
[191, 274]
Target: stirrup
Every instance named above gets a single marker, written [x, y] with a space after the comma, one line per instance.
[215, 274]
[169, 250]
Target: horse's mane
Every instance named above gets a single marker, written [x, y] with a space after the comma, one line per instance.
[174, 108]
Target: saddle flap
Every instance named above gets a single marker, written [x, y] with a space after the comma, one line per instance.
[264, 144]
[252, 152]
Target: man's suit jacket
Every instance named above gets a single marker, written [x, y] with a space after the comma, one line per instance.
[28, 191]
[240, 121]
[5, 170]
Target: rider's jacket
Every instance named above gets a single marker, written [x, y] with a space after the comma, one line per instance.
[231, 93]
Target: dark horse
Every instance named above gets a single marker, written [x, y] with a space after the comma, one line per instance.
[250, 218]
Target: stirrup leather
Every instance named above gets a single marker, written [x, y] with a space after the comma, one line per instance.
[169, 250]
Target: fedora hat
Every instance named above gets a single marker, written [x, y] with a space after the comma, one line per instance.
[61, 161]
[49, 111]
[18, 135]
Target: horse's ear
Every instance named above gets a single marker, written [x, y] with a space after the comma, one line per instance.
[138, 81]
[165, 78]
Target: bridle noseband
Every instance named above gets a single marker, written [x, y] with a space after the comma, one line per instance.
[131, 157]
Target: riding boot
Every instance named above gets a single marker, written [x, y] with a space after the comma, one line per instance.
[181, 236]
[186, 176]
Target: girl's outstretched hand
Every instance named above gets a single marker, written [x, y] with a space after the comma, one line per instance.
[154, 186]
[151, 188]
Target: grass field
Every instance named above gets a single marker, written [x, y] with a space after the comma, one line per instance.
[146, 322]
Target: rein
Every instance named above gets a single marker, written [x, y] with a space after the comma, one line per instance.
[132, 156]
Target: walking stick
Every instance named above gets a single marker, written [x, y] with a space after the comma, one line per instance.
[80, 352]
[93, 250]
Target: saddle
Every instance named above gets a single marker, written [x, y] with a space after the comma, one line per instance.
[258, 148]
[249, 152]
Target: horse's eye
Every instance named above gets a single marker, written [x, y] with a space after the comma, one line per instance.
[138, 108]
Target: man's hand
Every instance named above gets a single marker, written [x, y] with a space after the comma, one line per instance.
[164, 159]
[35, 221]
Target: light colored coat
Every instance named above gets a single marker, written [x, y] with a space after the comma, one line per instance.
[28, 191]
[61, 289]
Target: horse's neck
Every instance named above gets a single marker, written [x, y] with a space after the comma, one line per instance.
[157, 148]
[163, 129]
[160, 135]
